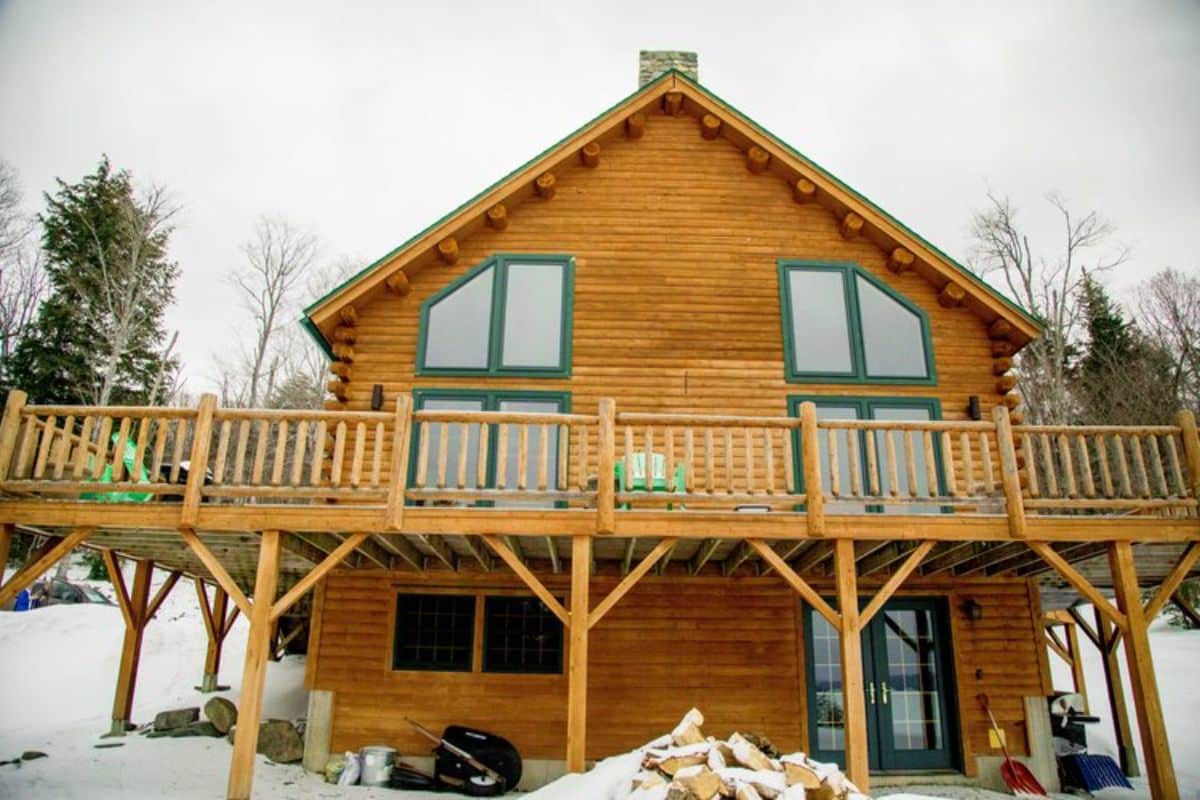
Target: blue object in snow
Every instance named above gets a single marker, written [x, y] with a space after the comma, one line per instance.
[22, 602]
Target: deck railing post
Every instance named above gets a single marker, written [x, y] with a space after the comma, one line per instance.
[1014, 504]
[606, 453]
[198, 462]
[401, 445]
[11, 425]
[1187, 428]
[810, 463]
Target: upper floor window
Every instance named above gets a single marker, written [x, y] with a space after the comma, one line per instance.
[841, 325]
[511, 315]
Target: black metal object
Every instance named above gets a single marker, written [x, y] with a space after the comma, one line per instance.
[496, 752]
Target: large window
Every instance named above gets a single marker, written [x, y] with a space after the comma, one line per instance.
[468, 400]
[841, 325]
[511, 315]
[438, 632]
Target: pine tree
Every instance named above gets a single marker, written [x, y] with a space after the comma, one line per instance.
[1121, 377]
[98, 337]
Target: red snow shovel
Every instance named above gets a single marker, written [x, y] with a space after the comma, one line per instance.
[1015, 774]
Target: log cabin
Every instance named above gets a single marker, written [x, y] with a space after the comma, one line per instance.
[668, 417]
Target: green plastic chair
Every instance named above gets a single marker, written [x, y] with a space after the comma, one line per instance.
[132, 467]
[658, 479]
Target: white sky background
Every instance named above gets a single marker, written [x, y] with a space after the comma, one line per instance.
[367, 121]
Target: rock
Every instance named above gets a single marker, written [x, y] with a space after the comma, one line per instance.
[222, 713]
[278, 740]
[176, 718]
[33, 755]
[197, 729]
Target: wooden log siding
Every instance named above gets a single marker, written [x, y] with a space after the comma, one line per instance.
[688, 654]
[697, 273]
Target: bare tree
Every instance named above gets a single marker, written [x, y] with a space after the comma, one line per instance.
[23, 278]
[277, 260]
[1169, 314]
[129, 275]
[1049, 287]
[15, 224]
[23, 285]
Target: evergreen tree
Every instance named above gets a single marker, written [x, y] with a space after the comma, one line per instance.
[1121, 376]
[98, 337]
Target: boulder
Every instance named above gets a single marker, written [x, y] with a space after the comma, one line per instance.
[202, 728]
[176, 718]
[278, 740]
[222, 713]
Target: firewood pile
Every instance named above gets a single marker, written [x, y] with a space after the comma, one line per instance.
[689, 766]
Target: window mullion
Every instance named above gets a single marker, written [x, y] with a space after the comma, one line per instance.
[858, 356]
[496, 323]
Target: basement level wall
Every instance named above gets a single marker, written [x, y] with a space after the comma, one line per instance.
[731, 647]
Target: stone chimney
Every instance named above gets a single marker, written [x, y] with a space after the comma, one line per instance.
[652, 63]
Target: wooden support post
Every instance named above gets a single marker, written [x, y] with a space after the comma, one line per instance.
[401, 444]
[215, 627]
[9, 428]
[134, 606]
[44, 560]
[810, 462]
[1014, 504]
[577, 674]
[1077, 678]
[1160, 772]
[606, 454]
[198, 465]
[854, 703]
[6, 536]
[258, 647]
[1116, 697]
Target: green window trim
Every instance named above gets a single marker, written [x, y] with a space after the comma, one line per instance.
[858, 360]
[495, 356]
[866, 407]
[490, 400]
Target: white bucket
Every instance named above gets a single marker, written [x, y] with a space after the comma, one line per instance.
[377, 762]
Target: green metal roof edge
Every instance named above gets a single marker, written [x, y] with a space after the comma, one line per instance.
[367, 269]
[315, 332]
[968, 274]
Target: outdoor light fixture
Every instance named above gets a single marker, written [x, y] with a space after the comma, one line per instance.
[972, 610]
[973, 409]
[377, 397]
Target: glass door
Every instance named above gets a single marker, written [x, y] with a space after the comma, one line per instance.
[908, 691]
[909, 647]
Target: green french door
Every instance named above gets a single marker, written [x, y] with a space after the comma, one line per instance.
[909, 689]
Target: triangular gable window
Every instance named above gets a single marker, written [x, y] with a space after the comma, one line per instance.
[841, 325]
[511, 315]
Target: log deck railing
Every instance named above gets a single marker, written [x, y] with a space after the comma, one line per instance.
[552, 461]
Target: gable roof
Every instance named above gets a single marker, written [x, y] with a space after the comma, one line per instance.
[1007, 319]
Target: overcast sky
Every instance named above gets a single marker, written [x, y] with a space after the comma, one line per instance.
[367, 121]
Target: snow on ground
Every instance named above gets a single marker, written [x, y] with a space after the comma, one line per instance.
[58, 669]
[1176, 655]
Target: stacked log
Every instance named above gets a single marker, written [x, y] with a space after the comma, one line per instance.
[687, 765]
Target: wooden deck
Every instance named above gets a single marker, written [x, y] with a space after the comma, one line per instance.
[977, 488]
[286, 496]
